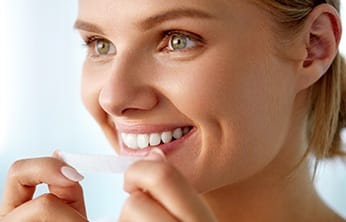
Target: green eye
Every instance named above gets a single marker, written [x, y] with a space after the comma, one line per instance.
[178, 41]
[104, 47]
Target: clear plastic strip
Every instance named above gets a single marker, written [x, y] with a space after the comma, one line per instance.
[87, 163]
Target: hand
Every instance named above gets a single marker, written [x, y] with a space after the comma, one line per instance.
[158, 192]
[63, 203]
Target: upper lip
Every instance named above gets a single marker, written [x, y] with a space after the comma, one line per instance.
[147, 128]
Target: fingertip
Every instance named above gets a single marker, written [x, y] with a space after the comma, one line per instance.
[57, 154]
[71, 174]
[156, 154]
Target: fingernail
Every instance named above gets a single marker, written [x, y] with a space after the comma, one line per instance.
[71, 174]
[156, 154]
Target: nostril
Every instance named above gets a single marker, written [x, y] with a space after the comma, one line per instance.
[130, 111]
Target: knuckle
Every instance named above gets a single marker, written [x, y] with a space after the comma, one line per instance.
[35, 165]
[16, 167]
[45, 200]
[43, 206]
[45, 203]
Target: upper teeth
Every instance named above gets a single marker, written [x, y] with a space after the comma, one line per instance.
[141, 141]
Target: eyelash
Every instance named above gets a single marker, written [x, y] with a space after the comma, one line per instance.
[90, 42]
[166, 38]
[91, 39]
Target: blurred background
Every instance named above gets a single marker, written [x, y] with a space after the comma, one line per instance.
[41, 110]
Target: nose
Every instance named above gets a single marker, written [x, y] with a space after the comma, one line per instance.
[127, 88]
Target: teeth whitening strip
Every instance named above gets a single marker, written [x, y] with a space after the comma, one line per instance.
[87, 163]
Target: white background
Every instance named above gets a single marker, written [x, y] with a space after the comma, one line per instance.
[40, 107]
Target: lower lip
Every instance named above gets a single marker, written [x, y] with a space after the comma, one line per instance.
[166, 148]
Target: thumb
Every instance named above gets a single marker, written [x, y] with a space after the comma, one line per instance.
[156, 154]
[72, 196]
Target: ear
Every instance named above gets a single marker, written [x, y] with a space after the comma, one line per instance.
[322, 32]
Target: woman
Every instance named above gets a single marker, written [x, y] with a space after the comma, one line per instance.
[225, 98]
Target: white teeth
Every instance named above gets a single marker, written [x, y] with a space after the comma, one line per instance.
[131, 141]
[123, 136]
[142, 140]
[166, 137]
[155, 139]
[178, 133]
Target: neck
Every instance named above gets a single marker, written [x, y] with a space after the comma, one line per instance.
[289, 198]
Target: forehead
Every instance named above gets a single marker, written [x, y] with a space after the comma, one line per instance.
[141, 6]
[124, 19]
[133, 10]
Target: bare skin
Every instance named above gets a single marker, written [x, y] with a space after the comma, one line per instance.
[242, 91]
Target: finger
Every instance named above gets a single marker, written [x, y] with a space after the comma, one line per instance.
[166, 185]
[24, 175]
[73, 196]
[77, 191]
[44, 208]
[141, 207]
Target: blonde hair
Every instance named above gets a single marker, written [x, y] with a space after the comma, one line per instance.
[327, 113]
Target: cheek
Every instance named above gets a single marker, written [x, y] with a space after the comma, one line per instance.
[257, 122]
[243, 111]
[256, 119]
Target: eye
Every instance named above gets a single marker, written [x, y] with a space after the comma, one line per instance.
[98, 46]
[180, 41]
[104, 47]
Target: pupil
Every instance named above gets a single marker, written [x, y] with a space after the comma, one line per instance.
[179, 42]
[102, 47]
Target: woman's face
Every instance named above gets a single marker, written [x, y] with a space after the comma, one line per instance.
[208, 72]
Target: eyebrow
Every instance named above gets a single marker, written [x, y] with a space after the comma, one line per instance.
[151, 21]
[86, 26]
[173, 14]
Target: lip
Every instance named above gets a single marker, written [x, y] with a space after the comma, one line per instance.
[166, 148]
[146, 129]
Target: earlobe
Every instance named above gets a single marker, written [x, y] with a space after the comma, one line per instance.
[322, 40]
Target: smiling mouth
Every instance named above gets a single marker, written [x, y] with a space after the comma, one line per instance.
[147, 140]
